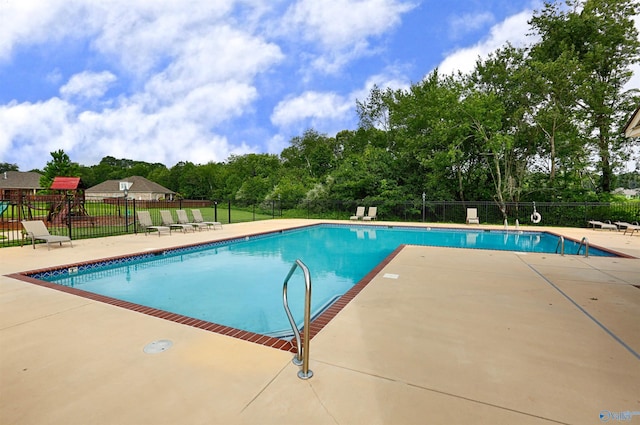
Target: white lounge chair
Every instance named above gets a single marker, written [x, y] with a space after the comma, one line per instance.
[601, 225]
[197, 217]
[183, 218]
[144, 219]
[167, 220]
[36, 230]
[472, 216]
[359, 214]
[628, 227]
[371, 214]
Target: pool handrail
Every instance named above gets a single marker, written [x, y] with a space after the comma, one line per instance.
[302, 355]
[560, 245]
[584, 242]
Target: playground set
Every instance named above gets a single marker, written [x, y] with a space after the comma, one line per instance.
[56, 209]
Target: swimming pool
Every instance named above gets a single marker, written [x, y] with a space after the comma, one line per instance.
[238, 283]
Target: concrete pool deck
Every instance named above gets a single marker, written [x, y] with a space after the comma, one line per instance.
[459, 337]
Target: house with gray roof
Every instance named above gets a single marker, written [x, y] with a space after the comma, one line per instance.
[138, 188]
[23, 182]
[627, 193]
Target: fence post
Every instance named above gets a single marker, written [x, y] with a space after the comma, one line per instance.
[69, 215]
[126, 214]
[135, 228]
[215, 210]
[229, 211]
[586, 216]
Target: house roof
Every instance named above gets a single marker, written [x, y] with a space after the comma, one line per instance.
[632, 128]
[140, 185]
[20, 180]
[66, 183]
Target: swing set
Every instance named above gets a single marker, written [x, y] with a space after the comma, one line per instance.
[56, 209]
[70, 203]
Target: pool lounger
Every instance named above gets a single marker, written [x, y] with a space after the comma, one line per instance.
[628, 227]
[600, 225]
[36, 230]
[197, 217]
[144, 218]
[183, 218]
[167, 220]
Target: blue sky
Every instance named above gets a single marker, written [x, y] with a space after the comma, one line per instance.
[199, 80]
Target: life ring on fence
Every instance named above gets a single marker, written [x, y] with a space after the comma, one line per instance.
[536, 217]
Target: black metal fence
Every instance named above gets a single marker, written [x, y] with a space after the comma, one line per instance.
[574, 214]
[81, 219]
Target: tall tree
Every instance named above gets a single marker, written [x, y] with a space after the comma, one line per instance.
[5, 166]
[313, 152]
[251, 177]
[60, 165]
[497, 106]
[599, 38]
[427, 137]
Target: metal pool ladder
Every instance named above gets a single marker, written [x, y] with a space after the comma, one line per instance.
[560, 245]
[584, 242]
[302, 356]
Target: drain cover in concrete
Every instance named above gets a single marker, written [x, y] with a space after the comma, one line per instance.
[158, 346]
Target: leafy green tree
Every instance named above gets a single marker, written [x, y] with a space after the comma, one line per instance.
[186, 180]
[110, 168]
[160, 175]
[5, 166]
[289, 189]
[553, 110]
[499, 107]
[428, 139]
[251, 177]
[362, 176]
[313, 153]
[59, 166]
[88, 176]
[599, 42]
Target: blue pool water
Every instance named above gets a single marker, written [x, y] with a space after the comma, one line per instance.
[239, 283]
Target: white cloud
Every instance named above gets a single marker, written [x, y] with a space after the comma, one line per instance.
[469, 22]
[310, 105]
[39, 128]
[513, 30]
[187, 72]
[88, 84]
[143, 35]
[392, 78]
[219, 54]
[164, 136]
[28, 22]
[276, 144]
[342, 23]
[341, 29]
[329, 112]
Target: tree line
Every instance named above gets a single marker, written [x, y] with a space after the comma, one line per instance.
[537, 123]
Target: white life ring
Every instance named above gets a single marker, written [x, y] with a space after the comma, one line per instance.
[536, 217]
